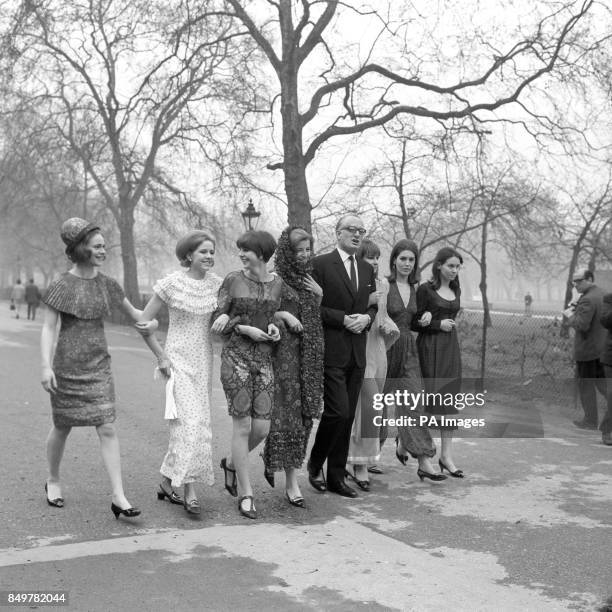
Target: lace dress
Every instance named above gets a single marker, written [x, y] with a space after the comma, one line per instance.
[190, 304]
[246, 366]
[85, 393]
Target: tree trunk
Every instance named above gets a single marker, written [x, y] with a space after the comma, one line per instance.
[128, 253]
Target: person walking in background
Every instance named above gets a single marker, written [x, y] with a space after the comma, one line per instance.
[347, 316]
[32, 298]
[606, 360]
[438, 346]
[297, 362]
[404, 370]
[191, 298]
[247, 302]
[528, 302]
[17, 296]
[589, 338]
[77, 375]
[364, 446]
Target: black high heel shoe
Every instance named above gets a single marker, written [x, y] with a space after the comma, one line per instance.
[58, 502]
[401, 458]
[269, 476]
[232, 488]
[128, 512]
[297, 501]
[455, 474]
[422, 474]
[172, 497]
[364, 485]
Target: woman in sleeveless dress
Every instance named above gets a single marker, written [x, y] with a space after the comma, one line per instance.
[364, 445]
[77, 374]
[404, 371]
[191, 298]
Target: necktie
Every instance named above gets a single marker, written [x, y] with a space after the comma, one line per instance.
[353, 272]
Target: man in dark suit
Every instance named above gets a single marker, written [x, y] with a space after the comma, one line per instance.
[589, 339]
[346, 315]
[606, 360]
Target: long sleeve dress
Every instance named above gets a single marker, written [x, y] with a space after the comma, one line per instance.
[404, 371]
[439, 353]
[191, 303]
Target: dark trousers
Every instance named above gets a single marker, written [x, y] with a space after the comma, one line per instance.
[590, 377]
[32, 310]
[341, 388]
[606, 424]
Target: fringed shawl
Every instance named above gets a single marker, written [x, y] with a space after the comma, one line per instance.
[293, 273]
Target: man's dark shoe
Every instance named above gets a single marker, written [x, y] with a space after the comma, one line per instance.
[606, 438]
[316, 479]
[584, 425]
[342, 489]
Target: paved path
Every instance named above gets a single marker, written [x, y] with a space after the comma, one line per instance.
[529, 529]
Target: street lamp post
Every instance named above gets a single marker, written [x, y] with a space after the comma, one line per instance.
[250, 216]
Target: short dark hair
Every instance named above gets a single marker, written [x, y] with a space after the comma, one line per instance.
[188, 243]
[260, 242]
[342, 219]
[404, 245]
[80, 253]
[588, 275]
[442, 256]
[367, 248]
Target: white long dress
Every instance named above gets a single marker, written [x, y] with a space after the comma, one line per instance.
[188, 346]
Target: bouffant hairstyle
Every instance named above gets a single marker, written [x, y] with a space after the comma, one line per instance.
[404, 245]
[297, 234]
[367, 248]
[260, 242]
[80, 253]
[442, 256]
[188, 243]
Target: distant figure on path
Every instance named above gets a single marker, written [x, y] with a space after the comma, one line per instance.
[528, 302]
[585, 318]
[17, 296]
[32, 298]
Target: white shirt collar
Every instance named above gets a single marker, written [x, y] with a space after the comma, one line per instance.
[344, 255]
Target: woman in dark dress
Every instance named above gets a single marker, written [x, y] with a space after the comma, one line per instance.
[403, 371]
[247, 303]
[80, 382]
[438, 346]
[297, 362]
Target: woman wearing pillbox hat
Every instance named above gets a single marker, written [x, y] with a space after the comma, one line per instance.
[77, 373]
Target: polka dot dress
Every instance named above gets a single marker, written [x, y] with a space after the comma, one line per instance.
[190, 304]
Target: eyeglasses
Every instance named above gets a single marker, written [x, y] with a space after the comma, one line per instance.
[577, 280]
[355, 230]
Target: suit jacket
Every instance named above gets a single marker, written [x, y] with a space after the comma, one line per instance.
[606, 321]
[590, 333]
[340, 299]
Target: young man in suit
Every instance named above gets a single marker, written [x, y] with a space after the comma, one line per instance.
[346, 316]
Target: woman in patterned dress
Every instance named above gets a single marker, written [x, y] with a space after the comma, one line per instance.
[297, 362]
[364, 448]
[247, 302]
[191, 298]
[437, 343]
[404, 371]
[78, 375]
